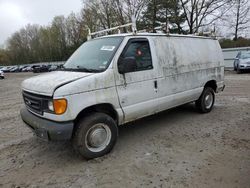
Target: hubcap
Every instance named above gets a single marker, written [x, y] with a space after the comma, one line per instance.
[98, 137]
[208, 100]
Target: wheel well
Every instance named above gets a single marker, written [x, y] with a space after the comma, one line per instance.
[104, 108]
[212, 84]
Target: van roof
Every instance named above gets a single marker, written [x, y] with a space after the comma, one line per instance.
[157, 34]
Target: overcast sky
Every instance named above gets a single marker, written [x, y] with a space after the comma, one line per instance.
[15, 14]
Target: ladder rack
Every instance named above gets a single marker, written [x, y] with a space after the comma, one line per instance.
[132, 24]
[164, 27]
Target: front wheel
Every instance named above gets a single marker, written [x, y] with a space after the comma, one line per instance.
[206, 101]
[95, 135]
[238, 70]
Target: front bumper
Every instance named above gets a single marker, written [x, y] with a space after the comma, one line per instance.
[244, 66]
[46, 129]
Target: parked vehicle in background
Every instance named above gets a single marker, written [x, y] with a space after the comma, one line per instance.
[40, 68]
[22, 67]
[53, 68]
[7, 69]
[242, 61]
[112, 80]
[1, 74]
[36, 68]
[27, 69]
[15, 69]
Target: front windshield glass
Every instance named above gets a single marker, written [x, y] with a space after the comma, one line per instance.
[245, 55]
[94, 55]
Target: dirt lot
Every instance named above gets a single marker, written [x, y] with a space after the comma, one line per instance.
[176, 148]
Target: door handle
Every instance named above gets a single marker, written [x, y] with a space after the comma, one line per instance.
[155, 85]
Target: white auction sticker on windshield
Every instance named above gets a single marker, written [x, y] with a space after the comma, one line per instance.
[108, 48]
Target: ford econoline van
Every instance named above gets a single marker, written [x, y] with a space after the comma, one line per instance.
[116, 79]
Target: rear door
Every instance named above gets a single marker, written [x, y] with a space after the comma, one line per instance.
[137, 90]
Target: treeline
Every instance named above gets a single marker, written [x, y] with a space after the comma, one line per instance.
[35, 43]
[58, 40]
[241, 42]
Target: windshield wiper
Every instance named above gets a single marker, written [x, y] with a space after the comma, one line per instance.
[84, 69]
[79, 69]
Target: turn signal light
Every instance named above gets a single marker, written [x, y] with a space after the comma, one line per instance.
[60, 106]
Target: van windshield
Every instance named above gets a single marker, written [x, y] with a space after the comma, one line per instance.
[94, 55]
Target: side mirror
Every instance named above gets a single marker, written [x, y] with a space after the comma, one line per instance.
[127, 64]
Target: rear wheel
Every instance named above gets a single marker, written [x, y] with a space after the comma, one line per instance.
[206, 101]
[95, 135]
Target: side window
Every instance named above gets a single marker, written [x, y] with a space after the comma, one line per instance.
[140, 50]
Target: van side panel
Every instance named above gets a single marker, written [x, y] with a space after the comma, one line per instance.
[187, 64]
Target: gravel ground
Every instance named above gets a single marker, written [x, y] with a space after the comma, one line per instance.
[176, 148]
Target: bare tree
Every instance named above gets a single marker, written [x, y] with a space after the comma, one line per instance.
[120, 11]
[89, 19]
[103, 10]
[238, 17]
[76, 31]
[110, 13]
[196, 12]
[134, 7]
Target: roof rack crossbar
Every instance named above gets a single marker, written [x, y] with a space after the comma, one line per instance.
[132, 24]
[111, 29]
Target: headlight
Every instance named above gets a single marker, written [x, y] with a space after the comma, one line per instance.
[60, 106]
[51, 106]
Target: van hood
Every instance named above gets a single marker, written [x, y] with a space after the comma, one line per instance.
[47, 83]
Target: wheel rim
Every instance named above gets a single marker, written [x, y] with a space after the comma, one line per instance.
[98, 137]
[209, 100]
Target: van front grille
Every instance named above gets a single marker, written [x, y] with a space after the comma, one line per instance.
[34, 102]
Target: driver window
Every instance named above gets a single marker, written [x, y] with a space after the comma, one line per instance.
[140, 50]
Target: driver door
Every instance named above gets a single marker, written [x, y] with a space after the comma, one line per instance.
[137, 90]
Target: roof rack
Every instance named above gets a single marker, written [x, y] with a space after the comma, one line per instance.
[105, 31]
[210, 34]
[164, 27]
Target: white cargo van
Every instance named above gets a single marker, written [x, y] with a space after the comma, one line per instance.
[115, 79]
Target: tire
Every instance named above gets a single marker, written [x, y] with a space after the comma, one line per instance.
[238, 70]
[206, 101]
[95, 135]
